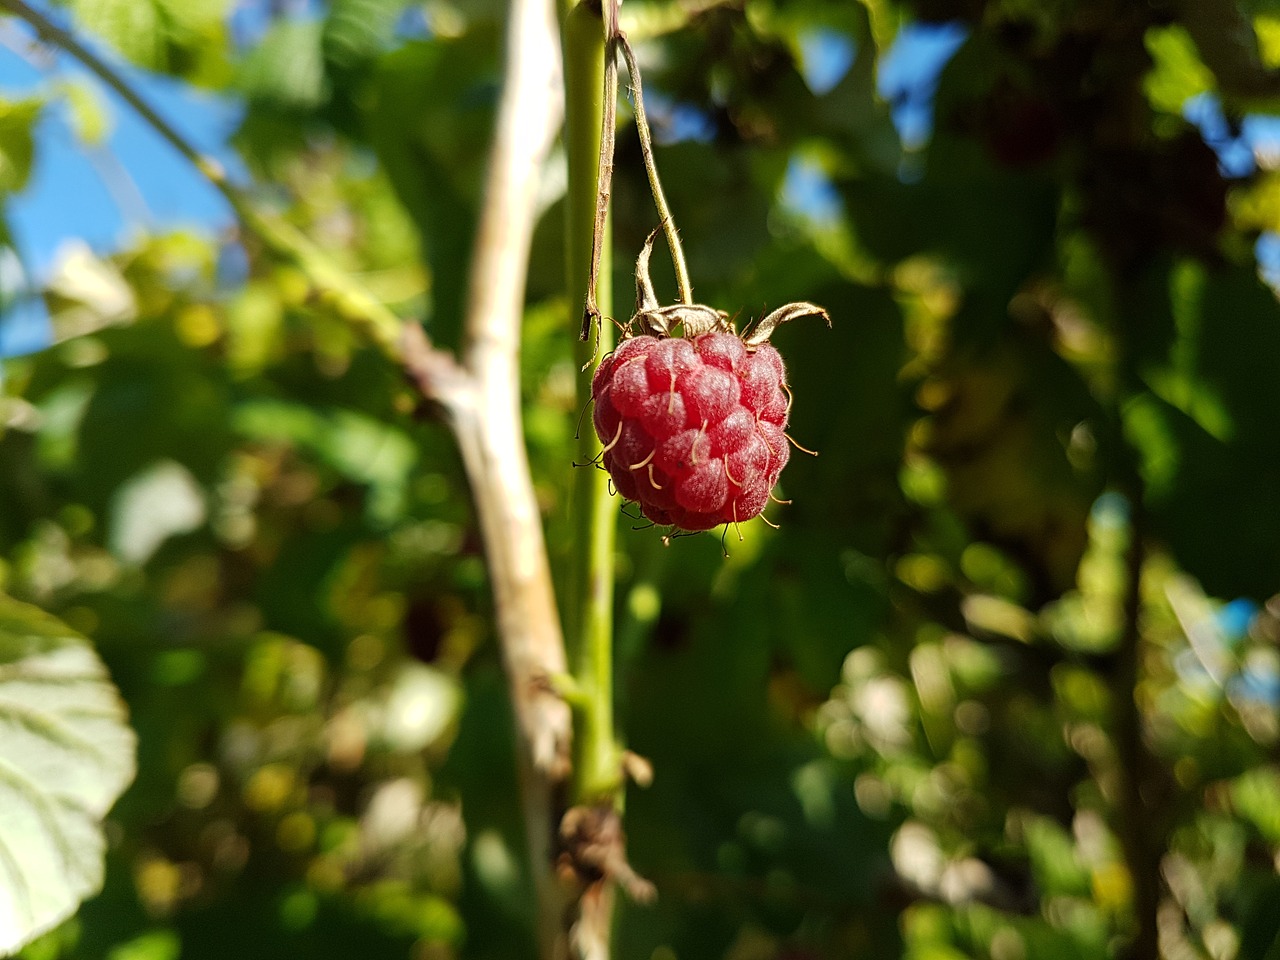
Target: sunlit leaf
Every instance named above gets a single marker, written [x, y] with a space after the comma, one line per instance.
[355, 30]
[132, 27]
[17, 142]
[90, 117]
[286, 70]
[152, 506]
[66, 754]
[194, 16]
[1178, 74]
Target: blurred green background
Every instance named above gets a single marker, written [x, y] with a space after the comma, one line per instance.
[923, 719]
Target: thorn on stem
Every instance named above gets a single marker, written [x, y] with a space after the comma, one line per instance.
[637, 768]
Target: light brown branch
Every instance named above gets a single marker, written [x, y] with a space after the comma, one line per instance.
[487, 421]
[527, 120]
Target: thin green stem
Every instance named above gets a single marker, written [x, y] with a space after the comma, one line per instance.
[336, 286]
[683, 286]
[597, 770]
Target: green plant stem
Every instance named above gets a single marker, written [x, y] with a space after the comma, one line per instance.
[597, 770]
[337, 288]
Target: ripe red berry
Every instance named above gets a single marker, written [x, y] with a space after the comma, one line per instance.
[693, 429]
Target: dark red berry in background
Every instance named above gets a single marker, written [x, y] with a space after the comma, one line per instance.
[693, 429]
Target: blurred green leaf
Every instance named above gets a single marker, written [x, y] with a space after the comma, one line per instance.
[286, 70]
[159, 502]
[435, 102]
[1178, 74]
[154, 945]
[182, 37]
[119, 432]
[1210, 453]
[1260, 929]
[18, 120]
[90, 117]
[195, 17]
[133, 27]
[356, 30]
[66, 754]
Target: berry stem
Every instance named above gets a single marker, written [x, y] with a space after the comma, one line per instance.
[489, 431]
[683, 286]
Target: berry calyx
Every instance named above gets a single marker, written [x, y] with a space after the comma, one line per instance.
[693, 429]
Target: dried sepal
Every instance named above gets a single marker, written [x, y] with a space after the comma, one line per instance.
[697, 319]
[763, 330]
[646, 298]
[694, 319]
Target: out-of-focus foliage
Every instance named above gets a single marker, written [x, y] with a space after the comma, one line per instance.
[898, 726]
[67, 756]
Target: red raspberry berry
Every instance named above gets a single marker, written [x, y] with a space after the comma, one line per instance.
[693, 429]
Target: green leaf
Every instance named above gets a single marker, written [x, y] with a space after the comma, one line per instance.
[356, 30]
[1267, 26]
[994, 228]
[17, 142]
[434, 119]
[286, 70]
[90, 116]
[193, 17]
[360, 448]
[196, 40]
[183, 37]
[1213, 502]
[1178, 74]
[66, 755]
[1207, 435]
[1260, 927]
[120, 433]
[133, 27]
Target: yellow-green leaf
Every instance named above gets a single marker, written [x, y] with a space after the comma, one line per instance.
[1178, 74]
[17, 142]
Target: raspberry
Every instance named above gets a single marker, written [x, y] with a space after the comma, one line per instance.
[693, 429]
